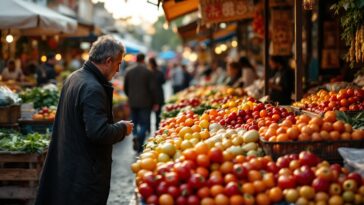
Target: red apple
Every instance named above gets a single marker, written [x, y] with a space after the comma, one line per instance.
[321, 185]
[304, 175]
[286, 182]
[307, 158]
[356, 177]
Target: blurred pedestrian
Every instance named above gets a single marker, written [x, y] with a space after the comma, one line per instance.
[77, 169]
[46, 73]
[234, 78]
[281, 83]
[177, 78]
[11, 72]
[187, 77]
[248, 74]
[140, 87]
[160, 80]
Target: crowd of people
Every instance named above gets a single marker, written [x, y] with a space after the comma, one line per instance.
[40, 74]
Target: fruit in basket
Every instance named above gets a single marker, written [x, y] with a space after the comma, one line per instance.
[349, 99]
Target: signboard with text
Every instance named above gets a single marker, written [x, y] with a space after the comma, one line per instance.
[282, 32]
[216, 11]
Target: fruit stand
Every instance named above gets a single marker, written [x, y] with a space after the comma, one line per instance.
[242, 151]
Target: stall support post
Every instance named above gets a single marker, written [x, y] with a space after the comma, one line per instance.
[298, 49]
[266, 47]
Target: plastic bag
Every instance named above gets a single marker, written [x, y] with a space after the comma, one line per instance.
[8, 97]
[353, 159]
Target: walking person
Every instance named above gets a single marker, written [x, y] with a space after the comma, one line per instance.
[160, 80]
[77, 169]
[140, 87]
[177, 78]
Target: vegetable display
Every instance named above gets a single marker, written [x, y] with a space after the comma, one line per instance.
[41, 97]
[12, 141]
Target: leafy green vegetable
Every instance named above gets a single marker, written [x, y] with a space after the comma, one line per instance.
[357, 120]
[11, 140]
[40, 97]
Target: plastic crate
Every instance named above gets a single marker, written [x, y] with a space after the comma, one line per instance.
[326, 150]
[40, 126]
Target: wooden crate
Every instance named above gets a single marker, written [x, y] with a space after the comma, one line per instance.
[19, 175]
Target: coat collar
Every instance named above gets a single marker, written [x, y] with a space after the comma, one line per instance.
[89, 66]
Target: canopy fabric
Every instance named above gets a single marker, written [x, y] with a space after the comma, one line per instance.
[175, 9]
[19, 14]
[167, 55]
[130, 47]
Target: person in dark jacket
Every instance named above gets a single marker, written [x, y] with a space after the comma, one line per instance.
[160, 80]
[46, 73]
[78, 165]
[234, 78]
[281, 83]
[140, 87]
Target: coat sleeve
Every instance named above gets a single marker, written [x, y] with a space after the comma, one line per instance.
[98, 129]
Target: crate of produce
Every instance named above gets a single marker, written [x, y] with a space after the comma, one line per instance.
[40, 126]
[326, 150]
[9, 114]
[19, 175]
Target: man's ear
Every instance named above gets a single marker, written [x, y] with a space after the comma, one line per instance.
[108, 60]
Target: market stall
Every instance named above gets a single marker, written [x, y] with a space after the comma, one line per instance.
[217, 145]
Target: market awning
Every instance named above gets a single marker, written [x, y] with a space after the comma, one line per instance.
[192, 31]
[174, 9]
[19, 14]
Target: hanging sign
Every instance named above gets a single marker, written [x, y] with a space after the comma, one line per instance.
[281, 32]
[216, 11]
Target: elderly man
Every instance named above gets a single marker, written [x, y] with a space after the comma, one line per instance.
[78, 165]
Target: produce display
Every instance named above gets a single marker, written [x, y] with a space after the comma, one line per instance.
[40, 97]
[198, 99]
[305, 128]
[350, 99]
[45, 113]
[13, 141]
[216, 157]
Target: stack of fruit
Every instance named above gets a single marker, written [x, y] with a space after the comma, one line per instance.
[350, 99]
[305, 128]
[45, 113]
[298, 179]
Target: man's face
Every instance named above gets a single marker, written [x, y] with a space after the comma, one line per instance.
[11, 67]
[113, 66]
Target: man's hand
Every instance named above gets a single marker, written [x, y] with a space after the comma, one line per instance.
[129, 126]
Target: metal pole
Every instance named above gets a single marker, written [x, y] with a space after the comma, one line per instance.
[266, 47]
[298, 49]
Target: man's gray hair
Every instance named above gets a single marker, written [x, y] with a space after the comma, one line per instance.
[105, 47]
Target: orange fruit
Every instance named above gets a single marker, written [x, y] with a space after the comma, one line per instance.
[201, 148]
[262, 199]
[254, 175]
[202, 171]
[357, 134]
[275, 194]
[148, 164]
[203, 192]
[166, 199]
[259, 186]
[248, 188]
[316, 121]
[216, 190]
[226, 167]
[221, 199]
[282, 138]
[330, 116]
[207, 201]
[293, 132]
[236, 200]
[327, 126]
[345, 136]
[334, 135]
[339, 126]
